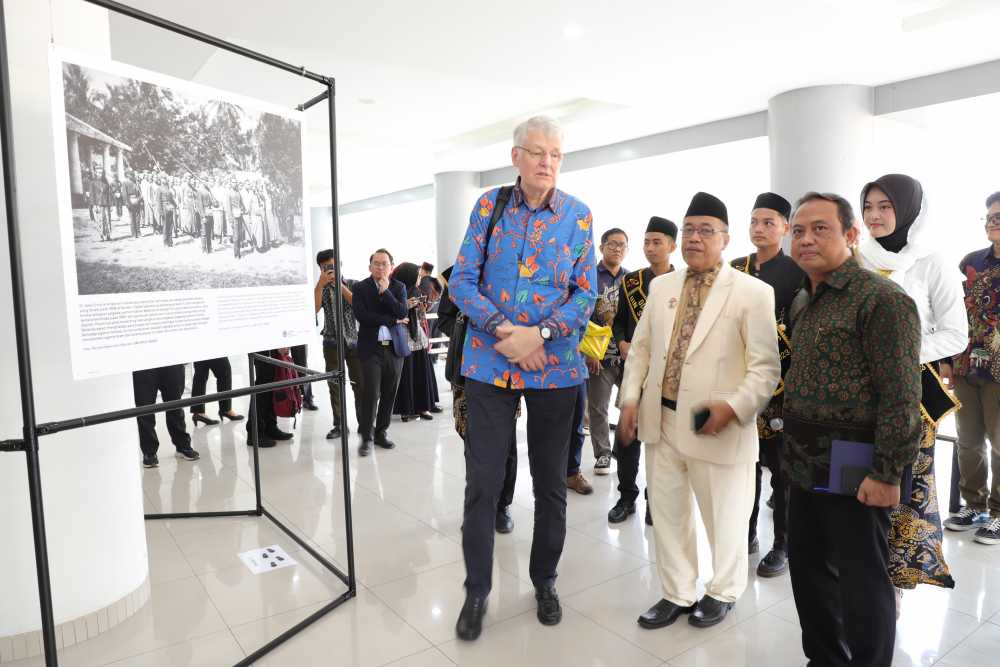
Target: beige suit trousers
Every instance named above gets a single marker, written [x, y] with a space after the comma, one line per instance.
[724, 495]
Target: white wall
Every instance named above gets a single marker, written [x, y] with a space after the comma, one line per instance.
[90, 477]
[626, 194]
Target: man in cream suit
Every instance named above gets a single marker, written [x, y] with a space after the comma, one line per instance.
[706, 341]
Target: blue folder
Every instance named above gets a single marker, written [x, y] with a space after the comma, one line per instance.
[850, 462]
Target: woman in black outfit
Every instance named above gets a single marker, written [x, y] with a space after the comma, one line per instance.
[418, 393]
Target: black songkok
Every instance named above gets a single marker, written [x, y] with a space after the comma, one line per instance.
[662, 225]
[775, 203]
[710, 205]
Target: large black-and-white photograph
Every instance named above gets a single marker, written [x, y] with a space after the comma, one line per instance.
[173, 191]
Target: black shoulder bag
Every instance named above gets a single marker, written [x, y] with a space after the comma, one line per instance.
[456, 344]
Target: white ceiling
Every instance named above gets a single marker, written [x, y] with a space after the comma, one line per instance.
[429, 86]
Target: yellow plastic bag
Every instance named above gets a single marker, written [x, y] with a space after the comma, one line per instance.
[594, 343]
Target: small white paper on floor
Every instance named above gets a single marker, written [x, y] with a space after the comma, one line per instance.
[266, 559]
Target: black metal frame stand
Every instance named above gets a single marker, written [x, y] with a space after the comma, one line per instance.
[32, 430]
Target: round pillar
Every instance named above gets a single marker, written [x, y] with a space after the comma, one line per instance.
[455, 193]
[91, 477]
[75, 174]
[821, 139]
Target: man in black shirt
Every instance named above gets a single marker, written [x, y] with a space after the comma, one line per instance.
[768, 226]
[659, 242]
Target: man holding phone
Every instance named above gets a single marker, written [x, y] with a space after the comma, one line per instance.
[703, 363]
[325, 297]
[854, 377]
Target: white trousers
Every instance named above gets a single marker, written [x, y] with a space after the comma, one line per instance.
[724, 496]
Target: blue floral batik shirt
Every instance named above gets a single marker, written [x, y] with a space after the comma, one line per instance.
[539, 271]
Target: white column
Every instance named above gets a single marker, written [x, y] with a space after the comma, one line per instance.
[121, 165]
[107, 162]
[455, 193]
[75, 175]
[821, 139]
[90, 477]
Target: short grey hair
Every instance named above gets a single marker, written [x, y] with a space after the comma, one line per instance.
[547, 125]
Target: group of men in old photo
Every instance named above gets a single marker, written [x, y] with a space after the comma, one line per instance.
[212, 208]
[724, 368]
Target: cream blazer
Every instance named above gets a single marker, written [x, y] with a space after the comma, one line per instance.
[733, 356]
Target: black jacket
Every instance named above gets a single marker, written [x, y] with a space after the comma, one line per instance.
[373, 310]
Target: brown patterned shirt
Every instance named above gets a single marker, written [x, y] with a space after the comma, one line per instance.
[697, 285]
[855, 375]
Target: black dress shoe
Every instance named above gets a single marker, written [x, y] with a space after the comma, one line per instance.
[470, 620]
[333, 433]
[620, 512]
[505, 522]
[709, 612]
[278, 434]
[309, 405]
[662, 614]
[754, 546]
[649, 517]
[549, 609]
[774, 564]
[263, 441]
[384, 443]
[366, 448]
[437, 410]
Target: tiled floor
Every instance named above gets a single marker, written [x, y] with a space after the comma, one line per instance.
[206, 608]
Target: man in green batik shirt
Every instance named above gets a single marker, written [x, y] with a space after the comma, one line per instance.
[855, 376]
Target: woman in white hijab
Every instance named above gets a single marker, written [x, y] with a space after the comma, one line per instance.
[900, 247]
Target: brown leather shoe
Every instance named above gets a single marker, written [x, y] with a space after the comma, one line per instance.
[580, 484]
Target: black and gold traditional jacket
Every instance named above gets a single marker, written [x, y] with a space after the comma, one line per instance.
[631, 301]
[784, 275]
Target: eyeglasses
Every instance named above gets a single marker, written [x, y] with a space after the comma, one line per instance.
[704, 231]
[555, 156]
[615, 245]
[993, 220]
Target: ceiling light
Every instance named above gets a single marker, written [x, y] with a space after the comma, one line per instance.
[573, 31]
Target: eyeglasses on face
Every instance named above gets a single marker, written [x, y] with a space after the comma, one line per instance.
[537, 155]
[615, 245]
[993, 220]
[704, 231]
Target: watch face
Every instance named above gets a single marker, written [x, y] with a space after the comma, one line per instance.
[546, 333]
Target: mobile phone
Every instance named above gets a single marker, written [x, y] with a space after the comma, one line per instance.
[699, 419]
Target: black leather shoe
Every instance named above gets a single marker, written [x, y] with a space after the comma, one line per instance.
[264, 441]
[549, 609]
[436, 410]
[278, 434]
[202, 419]
[620, 512]
[384, 443]
[662, 614]
[333, 433]
[709, 612]
[470, 620]
[774, 564]
[309, 405]
[754, 546]
[505, 522]
[366, 448]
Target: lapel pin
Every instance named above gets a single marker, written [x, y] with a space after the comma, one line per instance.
[673, 303]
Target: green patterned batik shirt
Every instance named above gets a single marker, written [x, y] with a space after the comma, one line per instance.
[855, 375]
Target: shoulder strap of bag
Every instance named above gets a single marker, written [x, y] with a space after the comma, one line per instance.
[501, 203]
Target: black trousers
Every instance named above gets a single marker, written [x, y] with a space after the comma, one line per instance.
[168, 227]
[628, 469]
[576, 434]
[134, 219]
[223, 372]
[380, 379]
[770, 451]
[839, 562]
[168, 381]
[267, 422]
[490, 433]
[300, 355]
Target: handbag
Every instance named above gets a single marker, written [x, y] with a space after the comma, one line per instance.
[400, 340]
[594, 343]
[456, 344]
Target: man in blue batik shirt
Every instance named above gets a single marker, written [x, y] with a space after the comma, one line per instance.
[527, 291]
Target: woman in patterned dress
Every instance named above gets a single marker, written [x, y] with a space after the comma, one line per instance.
[900, 247]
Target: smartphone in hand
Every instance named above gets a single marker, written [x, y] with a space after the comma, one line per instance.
[699, 418]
